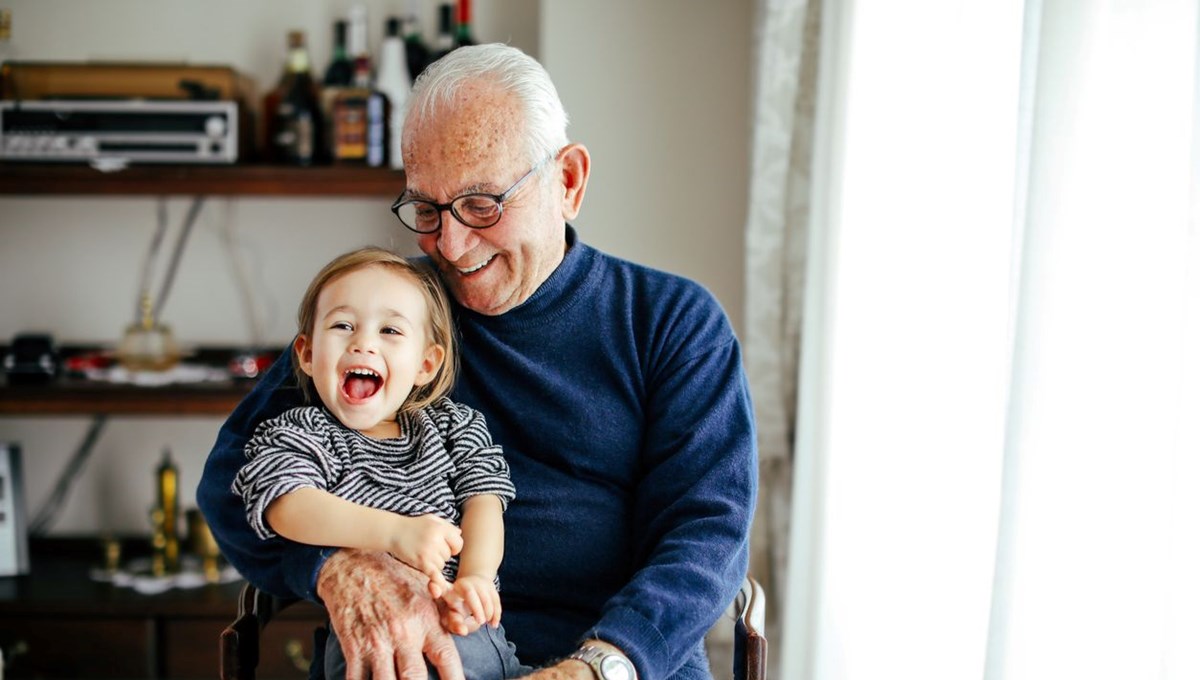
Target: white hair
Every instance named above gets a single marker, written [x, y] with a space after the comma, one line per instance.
[514, 72]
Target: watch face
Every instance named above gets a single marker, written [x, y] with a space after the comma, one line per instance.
[613, 667]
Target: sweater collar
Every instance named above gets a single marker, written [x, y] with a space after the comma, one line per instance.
[553, 297]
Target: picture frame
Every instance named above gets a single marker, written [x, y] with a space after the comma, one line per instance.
[14, 538]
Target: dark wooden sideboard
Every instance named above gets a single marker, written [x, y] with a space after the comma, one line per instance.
[57, 622]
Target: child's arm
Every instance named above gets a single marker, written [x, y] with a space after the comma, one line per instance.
[317, 517]
[474, 590]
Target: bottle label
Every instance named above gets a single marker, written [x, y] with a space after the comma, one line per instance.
[376, 130]
[350, 127]
[295, 140]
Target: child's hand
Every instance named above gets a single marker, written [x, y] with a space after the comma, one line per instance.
[425, 543]
[470, 602]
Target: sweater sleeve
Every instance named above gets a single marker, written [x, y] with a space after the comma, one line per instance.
[694, 502]
[276, 565]
[479, 465]
[286, 453]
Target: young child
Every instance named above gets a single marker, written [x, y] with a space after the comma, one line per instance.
[387, 462]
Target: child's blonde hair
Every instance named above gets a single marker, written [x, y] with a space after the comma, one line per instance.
[441, 326]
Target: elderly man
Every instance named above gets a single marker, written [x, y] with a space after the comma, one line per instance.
[616, 391]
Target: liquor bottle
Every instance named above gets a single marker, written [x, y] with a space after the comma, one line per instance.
[340, 72]
[462, 34]
[445, 36]
[292, 112]
[168, 502]
[415, 48]
[394, 81]
[360, 112]
[339, 75]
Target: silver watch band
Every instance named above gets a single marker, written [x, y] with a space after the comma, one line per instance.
[605, 664]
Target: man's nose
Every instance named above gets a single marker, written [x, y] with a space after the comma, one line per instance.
[455, 239]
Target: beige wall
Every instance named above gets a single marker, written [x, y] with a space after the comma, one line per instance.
[658, 91]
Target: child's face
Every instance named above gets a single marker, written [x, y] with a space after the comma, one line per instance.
[370, 345]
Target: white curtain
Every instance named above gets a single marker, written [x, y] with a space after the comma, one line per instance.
[776, 235]
[997, 453]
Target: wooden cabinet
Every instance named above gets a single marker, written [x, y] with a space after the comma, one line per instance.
[57, 622]
[85, 647]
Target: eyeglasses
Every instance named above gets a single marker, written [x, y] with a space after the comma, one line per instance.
[476, 210]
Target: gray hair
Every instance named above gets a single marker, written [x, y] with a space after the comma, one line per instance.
[514, 72]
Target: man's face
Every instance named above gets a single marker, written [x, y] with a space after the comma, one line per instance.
[478, 146]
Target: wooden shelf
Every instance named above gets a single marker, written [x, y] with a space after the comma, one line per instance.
[81, 397]
[74, 395]
[191, 180]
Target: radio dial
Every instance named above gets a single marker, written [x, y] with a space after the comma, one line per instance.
[215, 126]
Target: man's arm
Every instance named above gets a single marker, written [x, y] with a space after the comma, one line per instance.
[277, 566]
[694, 500]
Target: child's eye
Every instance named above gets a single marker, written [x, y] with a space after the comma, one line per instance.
[342, 326]
[389, 330]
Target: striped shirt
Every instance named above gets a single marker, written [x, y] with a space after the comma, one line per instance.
[443, 456]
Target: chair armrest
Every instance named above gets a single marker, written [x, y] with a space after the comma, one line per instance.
[240, 639]
[749, 639]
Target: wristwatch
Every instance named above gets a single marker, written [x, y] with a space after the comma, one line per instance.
[605, 664]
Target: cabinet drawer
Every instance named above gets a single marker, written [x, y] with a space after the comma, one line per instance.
[37, 647]
[191, 648]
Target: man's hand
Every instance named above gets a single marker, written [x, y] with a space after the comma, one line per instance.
[565, 670]
[382, 613]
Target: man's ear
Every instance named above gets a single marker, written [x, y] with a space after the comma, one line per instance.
[303, 351]
[576, 164]
[430, 363]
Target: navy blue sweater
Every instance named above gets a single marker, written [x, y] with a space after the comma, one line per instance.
[618, 395]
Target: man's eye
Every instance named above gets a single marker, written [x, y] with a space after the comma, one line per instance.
[482, 208]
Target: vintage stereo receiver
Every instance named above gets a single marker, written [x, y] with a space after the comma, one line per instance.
[133, 130]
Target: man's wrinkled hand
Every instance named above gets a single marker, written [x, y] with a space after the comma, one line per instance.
[384, 618]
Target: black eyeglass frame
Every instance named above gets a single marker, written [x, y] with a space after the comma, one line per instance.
[500, 199]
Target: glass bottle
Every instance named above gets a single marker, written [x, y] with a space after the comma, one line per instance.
[360, 112]
[445, 36]
[462, 34]
[394, 81]
[340, 72]
[292, 110]
[339, 75]
[415, 48]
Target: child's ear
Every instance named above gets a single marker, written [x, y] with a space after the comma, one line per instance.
[430, 363]
[303, 352]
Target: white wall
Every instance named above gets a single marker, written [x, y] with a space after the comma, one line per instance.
[658, 91]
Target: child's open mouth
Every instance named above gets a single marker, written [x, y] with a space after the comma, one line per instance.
[361, 383]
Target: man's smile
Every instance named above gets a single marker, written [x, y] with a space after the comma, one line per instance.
[466, 271]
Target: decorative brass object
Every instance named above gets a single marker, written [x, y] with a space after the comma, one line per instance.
[148, 345]
[204, 545]
[168, 505]
[158, 544]
[112, 555]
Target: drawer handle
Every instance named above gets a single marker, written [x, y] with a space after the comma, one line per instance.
[16, 649]
[294, 650]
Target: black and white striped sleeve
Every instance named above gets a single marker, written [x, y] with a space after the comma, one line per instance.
[479, 463]
[286, 453]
